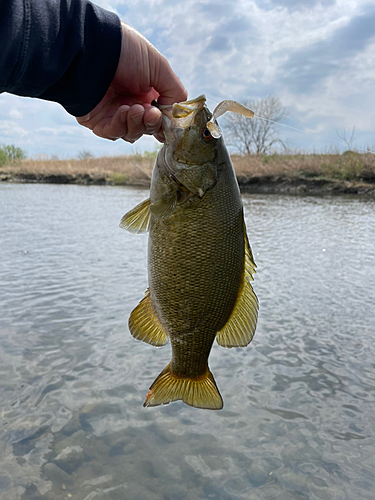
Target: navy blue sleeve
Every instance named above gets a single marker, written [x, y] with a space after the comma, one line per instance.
[65, 51]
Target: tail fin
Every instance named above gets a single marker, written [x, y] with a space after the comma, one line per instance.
[201, 393]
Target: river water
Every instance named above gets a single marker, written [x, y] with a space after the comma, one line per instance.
[298, 420]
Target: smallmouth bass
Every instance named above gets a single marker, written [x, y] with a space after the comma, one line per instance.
[200, 263]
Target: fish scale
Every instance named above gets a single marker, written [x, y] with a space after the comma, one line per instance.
[199, 260]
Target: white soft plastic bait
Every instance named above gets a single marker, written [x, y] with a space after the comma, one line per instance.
[220, 109]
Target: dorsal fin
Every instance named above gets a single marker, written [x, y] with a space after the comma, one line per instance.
[240, 328]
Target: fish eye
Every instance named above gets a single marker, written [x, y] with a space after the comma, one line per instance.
[206, 134]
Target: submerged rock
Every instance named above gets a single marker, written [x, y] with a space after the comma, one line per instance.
[70, 459]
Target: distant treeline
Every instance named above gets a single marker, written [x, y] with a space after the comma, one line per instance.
[10, 154]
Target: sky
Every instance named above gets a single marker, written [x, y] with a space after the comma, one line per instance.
[316, 56]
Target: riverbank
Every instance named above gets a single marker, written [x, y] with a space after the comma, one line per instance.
[350, 172]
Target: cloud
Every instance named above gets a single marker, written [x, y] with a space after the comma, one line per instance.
[10, 128]
[318, 57]
[236, 25]
[293, 5]
[61, 131]
[218, 43]
[308, 67]
[46, 129]
[14, 113]
[216, 10]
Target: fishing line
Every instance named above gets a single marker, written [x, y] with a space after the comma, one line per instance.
[342, 143]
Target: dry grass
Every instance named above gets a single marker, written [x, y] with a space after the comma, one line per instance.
[348, 166]
[136, 169]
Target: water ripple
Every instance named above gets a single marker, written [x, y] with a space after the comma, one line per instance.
[299, 401]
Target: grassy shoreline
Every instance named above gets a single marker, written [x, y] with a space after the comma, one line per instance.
[349, 172]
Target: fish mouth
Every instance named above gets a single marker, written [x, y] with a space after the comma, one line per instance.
[181, 114]
[183, 111]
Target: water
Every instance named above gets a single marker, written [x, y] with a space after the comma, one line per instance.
[298, 420]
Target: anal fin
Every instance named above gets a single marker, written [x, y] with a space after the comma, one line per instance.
[240, 327]
[200, 392]
[144, 325]
[137, 220]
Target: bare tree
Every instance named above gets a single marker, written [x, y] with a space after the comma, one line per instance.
[259, 134]
[348, 139]
[84, 155]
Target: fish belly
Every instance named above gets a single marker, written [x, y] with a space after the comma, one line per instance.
[196, 263]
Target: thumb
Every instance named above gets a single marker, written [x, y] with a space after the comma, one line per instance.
[167, 83]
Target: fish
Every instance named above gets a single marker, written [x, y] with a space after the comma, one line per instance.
[200, 264]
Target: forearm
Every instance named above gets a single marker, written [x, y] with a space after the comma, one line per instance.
[59, 50]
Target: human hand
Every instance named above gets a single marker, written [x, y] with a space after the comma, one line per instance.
[142, 75]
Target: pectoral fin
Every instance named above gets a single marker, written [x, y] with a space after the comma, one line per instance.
[163, 207]
[144, 324]
[240, 328]
[138, 219]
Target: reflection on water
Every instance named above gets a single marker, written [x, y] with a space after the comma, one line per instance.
[299, 401]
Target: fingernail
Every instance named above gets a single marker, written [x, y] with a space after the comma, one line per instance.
[152, 124]
[151, 131]
[153, 121]
[137, 119]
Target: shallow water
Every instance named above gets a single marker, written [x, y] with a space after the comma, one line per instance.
[298, 421]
